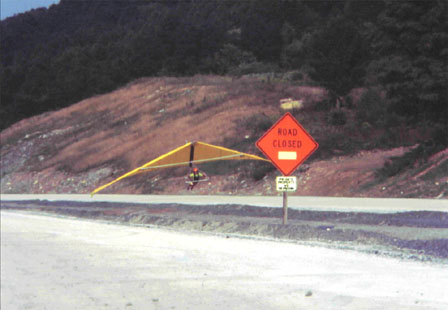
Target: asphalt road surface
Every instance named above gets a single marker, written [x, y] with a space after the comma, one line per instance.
[376, 205]
[59, 263]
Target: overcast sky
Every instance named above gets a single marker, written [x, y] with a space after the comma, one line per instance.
[11, 7]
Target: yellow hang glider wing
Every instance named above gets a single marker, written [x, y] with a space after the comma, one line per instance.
[188, 154]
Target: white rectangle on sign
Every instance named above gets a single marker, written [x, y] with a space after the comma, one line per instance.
[287, 155]
[286, 184]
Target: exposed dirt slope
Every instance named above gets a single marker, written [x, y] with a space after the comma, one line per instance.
[78, 148]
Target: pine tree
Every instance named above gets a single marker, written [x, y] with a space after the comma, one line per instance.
[337, 57]
[411, 58]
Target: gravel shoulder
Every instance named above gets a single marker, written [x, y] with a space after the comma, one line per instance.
[421, 236]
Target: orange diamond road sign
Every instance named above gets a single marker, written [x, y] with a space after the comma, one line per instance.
[287, 144]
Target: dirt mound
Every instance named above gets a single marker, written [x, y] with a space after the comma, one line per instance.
[78, 148]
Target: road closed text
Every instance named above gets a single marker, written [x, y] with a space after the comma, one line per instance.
[286, 138]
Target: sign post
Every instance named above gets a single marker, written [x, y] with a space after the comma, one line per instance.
[287, 145]
[285, 185]
[285, 208]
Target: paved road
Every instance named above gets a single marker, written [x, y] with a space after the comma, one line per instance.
[57, 263]
[378, 205]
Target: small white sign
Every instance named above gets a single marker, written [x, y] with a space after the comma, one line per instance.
[286, 184]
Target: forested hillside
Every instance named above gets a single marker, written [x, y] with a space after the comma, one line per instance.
[51, 58]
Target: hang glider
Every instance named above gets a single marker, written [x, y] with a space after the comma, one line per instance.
[186, 155]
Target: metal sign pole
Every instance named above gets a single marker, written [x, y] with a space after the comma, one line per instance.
[285, 184]
[285, 207]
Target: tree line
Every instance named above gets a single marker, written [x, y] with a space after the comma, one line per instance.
[51, 58]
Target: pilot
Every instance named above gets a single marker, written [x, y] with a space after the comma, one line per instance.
[194, 177]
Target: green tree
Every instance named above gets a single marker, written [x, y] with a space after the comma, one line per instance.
[261, 29]
[411, 45]
[230, 57]
[337, 54]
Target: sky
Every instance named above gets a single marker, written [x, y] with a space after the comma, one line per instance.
[12, 7]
